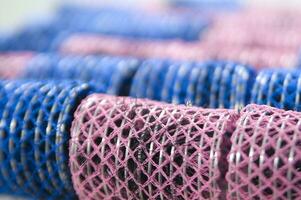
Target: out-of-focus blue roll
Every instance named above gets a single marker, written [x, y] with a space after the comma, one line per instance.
[213, 84]
[35, 122]
[49, 35]
[111, 75]
[207, 4]
[278, 88]
[133, 23]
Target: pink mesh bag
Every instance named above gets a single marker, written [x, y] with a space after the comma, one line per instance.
[124, 148]
[265, 158]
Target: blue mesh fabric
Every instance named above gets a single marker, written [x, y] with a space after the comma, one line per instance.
[212, 84]
[111, 75]
[34, 131]
[278, 88]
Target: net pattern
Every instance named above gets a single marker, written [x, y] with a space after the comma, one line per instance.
[36, 117]
[278, 88]
[212, 84]
[124, 148]
[264, 161]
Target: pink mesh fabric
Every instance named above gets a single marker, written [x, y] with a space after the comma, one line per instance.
[209, 49]
[124, 148]
[265, 158]
[12, 64]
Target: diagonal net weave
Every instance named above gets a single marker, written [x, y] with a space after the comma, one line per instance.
[212, 84]
[34, 130]
[278, 88]
[265, 158]
[125, 148]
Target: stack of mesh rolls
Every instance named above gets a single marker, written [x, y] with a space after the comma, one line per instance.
[35, 129]
[265, 157]
[205, 49]
[207, 84]
[124, 148]
[111, 75]
[278, 88]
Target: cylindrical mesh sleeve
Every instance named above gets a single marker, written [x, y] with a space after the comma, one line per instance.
[125, 148]
[265, 158]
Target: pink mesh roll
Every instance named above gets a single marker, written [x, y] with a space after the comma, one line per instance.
[256, 56]
[265, 158]
[12, 64]
[124, 148]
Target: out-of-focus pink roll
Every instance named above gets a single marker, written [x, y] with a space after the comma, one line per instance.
[124, 148]
[96, 44]
[265, 158]
[260, 18]
[252, 37]
[12, 64]
[255, 56]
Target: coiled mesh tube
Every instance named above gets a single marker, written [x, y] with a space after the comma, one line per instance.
[265, 158]
[124, 148]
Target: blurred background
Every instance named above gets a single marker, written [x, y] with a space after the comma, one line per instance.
[14, 13]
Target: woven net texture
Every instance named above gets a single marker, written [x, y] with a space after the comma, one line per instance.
[125, 148]
[34, 130]
[265, 158]
[278, 88]
[208, 84]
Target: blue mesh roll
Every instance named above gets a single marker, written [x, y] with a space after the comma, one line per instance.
[209, 84]
[278, 88]
[110, 74]
[34, 133]
[205, 4]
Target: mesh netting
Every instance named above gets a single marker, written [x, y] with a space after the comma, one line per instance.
[124, 148]
[112, 75]
[34, 133]
[265, 162]
[278, 88]
[211, 84]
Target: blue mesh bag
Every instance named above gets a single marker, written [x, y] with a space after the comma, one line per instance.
[111, 75]
[34, 132]
[278, 88]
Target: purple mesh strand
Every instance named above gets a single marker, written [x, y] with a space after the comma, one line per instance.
[265, 158]
[125, 148]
